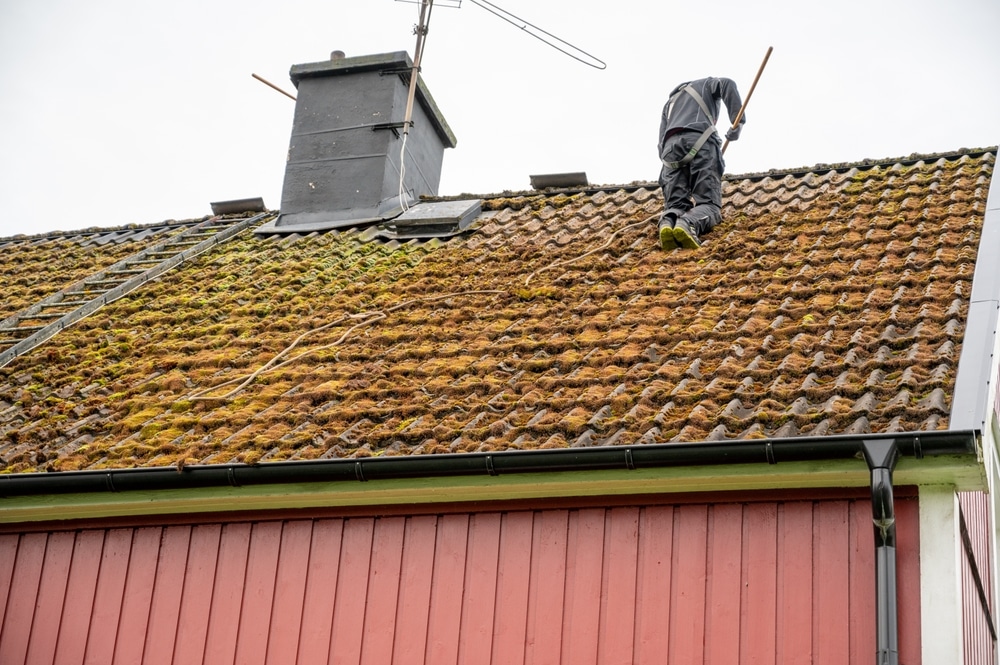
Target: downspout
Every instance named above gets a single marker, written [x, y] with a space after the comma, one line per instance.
[881, 456]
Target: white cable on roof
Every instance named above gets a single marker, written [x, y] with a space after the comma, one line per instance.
[402, 174]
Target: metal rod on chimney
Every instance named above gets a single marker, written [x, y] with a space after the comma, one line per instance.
[268, 83]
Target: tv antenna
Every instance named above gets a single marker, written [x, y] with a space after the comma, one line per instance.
[547, 38]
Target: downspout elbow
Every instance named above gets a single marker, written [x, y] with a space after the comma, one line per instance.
[883, 508]
[881, 456]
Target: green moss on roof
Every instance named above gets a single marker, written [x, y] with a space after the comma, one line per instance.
[829, 300]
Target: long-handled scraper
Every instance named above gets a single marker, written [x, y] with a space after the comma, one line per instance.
[739, 116]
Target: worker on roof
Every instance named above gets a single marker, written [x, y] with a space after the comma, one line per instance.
[691, 152]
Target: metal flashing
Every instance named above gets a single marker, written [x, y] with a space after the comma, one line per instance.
[309, 223]
[978, 367]
[437, 219]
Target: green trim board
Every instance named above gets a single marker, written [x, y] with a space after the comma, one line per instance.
[964, 472]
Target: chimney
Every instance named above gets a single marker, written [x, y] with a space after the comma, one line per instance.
[343, 164]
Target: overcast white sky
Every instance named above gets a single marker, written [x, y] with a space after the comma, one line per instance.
[128, 111]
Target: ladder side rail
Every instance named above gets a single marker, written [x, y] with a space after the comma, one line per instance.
[117, 292]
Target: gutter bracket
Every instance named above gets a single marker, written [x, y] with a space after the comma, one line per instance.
[881, 456]
[629, 461]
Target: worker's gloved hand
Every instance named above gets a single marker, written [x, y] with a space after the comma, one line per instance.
[734, 132]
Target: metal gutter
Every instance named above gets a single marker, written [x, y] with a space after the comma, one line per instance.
[756, 451]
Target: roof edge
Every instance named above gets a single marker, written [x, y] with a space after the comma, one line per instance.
[975, 394]
[647, 456]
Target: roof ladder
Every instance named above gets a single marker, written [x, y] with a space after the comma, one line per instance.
[28, 329]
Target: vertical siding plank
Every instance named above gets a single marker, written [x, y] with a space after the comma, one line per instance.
[383, 591]
[687, 611]
[196, 600]
[447, 587]
[543, 643]
[513, 577]
[108, 599]
[653, 584]
[167, 592]
[227, 595]
[795, 582]
[760, 533]
[289, 591]
[618, 589]
[321, 591]
[258, 593]
[80, 589]
[725, 571]
[352, 591]
[415, 590]
[584, 564]
[138, 595]
[908, 579]
[831, 615]
[23, 593]
[8, 552]
[479, 603]
[861, 553]
[51, 598]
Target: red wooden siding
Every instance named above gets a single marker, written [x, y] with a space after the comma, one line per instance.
[755, 582]
[977, 581]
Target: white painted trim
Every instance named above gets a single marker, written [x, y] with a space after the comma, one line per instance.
[940, 576]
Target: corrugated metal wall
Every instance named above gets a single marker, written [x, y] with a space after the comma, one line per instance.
[759, 582]
[978, 614]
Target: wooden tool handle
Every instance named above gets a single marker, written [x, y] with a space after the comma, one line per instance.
[739, 116]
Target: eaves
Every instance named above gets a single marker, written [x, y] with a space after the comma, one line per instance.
[939, 457]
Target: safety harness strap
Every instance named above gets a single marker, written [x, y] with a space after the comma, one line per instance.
[688, 88]
[686, 159]
[692, 152]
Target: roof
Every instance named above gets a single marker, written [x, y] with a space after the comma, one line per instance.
[831, 300]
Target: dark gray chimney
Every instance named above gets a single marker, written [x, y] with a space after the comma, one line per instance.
[344, 155]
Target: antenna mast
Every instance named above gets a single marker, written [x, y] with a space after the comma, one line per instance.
[418, 51]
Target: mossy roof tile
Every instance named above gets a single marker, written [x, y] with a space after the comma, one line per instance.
[830, 300]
